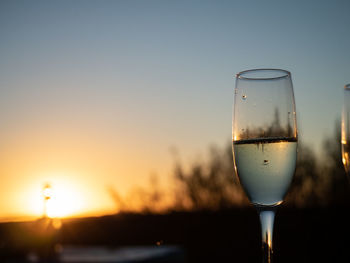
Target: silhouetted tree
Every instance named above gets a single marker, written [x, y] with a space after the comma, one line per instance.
[212, 184]
[308, 186]
[209, 185]
[320, 182]
[149, 199]
[118, 200]
[332, 169]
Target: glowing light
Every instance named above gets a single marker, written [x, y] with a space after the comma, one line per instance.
[62, 197]
[64, 202]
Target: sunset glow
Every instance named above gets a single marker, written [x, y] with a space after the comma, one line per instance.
[93, 96]
[63, 199]
[64, 202]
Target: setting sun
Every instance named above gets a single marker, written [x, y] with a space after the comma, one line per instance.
[63, 202]
[57, 198]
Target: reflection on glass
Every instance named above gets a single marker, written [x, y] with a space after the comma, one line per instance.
[264, 136]
[345, 129]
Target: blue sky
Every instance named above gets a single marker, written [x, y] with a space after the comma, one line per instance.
[140, 77]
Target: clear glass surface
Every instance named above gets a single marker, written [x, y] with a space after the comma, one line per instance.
[264, 137]
[345, 130]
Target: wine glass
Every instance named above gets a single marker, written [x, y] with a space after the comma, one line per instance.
[345, 130]
[264, 135]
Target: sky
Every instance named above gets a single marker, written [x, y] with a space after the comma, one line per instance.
[97, 94]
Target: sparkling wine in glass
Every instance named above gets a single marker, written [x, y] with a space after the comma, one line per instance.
[345, 130]
[264, 135]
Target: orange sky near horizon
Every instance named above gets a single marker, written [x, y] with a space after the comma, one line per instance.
[80, 170]
[79, 163]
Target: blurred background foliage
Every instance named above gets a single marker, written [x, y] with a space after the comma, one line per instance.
[210, 184]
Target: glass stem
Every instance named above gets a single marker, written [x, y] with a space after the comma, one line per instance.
[267, 217]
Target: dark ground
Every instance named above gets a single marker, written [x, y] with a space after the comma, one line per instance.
[300, 235]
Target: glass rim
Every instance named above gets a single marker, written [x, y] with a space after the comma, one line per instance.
[283, 74]
[347, 86]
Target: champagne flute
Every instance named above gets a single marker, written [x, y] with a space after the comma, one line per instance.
[264, 135]
[345, 130]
